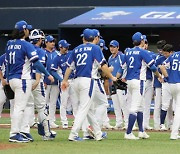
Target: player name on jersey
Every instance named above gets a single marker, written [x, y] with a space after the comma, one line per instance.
[14, 47]
[83, 49]
[133, 52]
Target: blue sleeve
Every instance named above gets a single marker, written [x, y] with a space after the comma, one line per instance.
[42, 56]
[31, 52]
[98, 55]
[147, 58]
[71, 58]
[38, 65]
[56, 75]
[153, 68]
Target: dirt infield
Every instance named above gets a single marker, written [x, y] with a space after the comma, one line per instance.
[9, 146]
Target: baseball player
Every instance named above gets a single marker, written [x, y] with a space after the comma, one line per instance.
[167, 99]
[115, 61]
[52, 89]
[86, 59]
[37, 96]
[101, 104]
[3, 83]
[148, 94]
[173, 78]
[59, 64]
[19, 56]
[136, 62]
[104, 119]
[158, 86]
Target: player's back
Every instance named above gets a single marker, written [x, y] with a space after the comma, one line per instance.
[86, 58]
[137, 60]
[174, 68]
[17, 54]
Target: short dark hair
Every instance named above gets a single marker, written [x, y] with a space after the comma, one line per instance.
[168, 48]
[160, 44]
[91, 39]
[136, 43]
[16, 34]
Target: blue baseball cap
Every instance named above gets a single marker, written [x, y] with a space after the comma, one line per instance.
[102, 44]
[137, 37]
[145, 38]
[49, 38]
[21, 25]
[63, 43]
[114, 43]
[88, 33]
[97, 33]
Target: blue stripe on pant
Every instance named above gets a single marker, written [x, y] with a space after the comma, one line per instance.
[141, 86]
[24, 85]
[91, 87]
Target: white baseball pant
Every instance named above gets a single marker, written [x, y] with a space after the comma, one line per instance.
[52, 93]
[86, 89]
[157, 107]
[124, 104]
[22, 90]
[67, 96]
[175, 91]
[147, 102]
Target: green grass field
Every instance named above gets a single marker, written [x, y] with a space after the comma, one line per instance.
[159, 143]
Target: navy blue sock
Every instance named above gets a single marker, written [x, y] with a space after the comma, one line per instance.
[132, 119]
[163, 116]
[140, 121]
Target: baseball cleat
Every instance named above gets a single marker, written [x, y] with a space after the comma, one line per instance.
[49, 138]
[163, 127]
[89, 137]
[130, 136]
[103, 136]
[65, 126]
[174, 137]
[135, 128]
[27, 136]
[53, 125]
[18, 138]
[107, 126]
[118, 127]
[75, 138]
[143, 135]
[148, 128]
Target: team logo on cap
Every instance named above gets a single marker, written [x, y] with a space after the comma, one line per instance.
[24, 26]
[101, 44]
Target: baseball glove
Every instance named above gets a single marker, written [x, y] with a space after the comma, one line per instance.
[120, 84]
[8, 92]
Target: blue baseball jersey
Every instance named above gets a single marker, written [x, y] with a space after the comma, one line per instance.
[137, 60]
[42, 59]
[86, 59]
[49, 59]
[159, 61]
[19, 55]
[149, 75]
[116, 62]
[173, 68]
[59, 63]
[3, 64]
